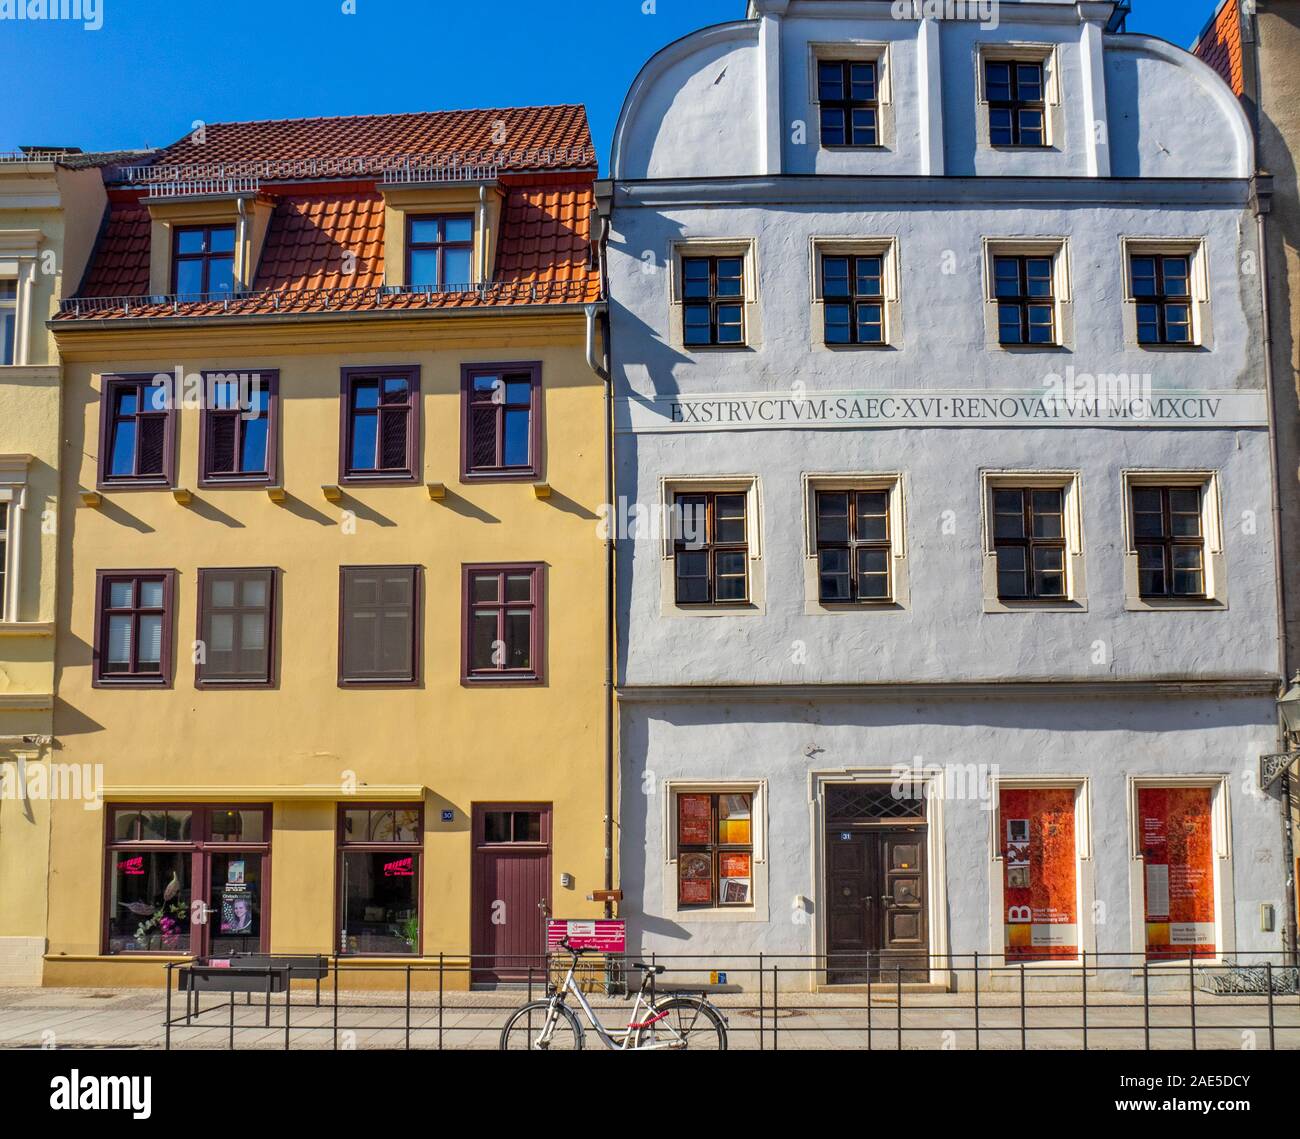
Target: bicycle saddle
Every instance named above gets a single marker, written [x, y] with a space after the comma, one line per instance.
[655, 969]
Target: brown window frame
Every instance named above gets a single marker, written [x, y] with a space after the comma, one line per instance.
[854, 301]
[163, 678]
[409, 472]
[266, 678]
[198, 845]
[714, 849]
[210, 416]
[714, 301]
[206, 257]
[710, 547]
[536, 675]
[1162, 301]
[440, 247]
[853, 545]
[1023, 301]
[110, 385]
[1168, 542]
[1029, 543]
[1015, 104]
[412, 678]
[344, 845]
[847, 105]
[471, 472]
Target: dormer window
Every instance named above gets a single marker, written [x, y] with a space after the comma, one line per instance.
[203, 260]
[849, 103]
[1016, 96]
[440, 252]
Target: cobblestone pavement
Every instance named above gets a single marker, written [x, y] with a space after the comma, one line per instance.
[134, 1018]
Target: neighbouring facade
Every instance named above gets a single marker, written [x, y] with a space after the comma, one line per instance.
[1254, 47]
[330, 617]
[946, 582]
[50, 204]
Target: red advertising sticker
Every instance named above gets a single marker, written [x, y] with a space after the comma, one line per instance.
[1040, 889]
[1176, 836]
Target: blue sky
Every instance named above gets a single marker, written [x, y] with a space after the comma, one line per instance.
[158, 65]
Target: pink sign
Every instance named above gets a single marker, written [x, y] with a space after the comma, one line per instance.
[603, 935]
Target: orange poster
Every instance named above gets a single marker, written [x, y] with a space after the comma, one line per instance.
[1040, 887]
[694, 820]
[1177, 836]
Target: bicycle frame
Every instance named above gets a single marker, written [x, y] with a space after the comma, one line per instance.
[620, 1039]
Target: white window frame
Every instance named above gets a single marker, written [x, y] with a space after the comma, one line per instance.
[1225, 938]
[1193, 248]
[1076, 585]
[899, 582]
[1058, 249]
[885, 248]
[1214, 560]
[746, 248]
[13, 491]
[855, 51]
[749, 486]
[1053, 118]
[19, 250]
[1084, 867]
[757, 910]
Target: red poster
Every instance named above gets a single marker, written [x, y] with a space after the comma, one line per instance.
[694, 820]
[1040, 887]
[1177, 837]
[694, 879]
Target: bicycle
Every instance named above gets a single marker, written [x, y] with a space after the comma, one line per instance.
[679, 1021]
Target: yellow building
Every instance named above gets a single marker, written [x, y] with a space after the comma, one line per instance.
[50, 205]
[333, 610]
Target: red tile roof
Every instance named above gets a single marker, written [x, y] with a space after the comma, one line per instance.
[324, 248]
[512, 138]
[120, 267]
[1220, 46]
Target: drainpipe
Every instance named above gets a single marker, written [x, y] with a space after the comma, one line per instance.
[598, 362]
[245, 251]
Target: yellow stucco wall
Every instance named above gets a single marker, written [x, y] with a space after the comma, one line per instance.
[526, 744]
[62, 209]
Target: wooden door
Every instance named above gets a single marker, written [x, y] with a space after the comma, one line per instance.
[510, 891]
[877, 927]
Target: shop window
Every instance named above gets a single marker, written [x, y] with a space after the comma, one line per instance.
[715, 849]
[237, 430]
[379, 854]
[187, 880]
[503, 623]
[1040, 873]
[379, 625]
[133, 629]
[137, 442]
[381, 425]
[501, 422]
[1175, 827]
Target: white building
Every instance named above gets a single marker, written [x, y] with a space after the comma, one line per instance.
[900, 305]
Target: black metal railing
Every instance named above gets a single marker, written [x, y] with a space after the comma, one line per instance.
[973, 1001]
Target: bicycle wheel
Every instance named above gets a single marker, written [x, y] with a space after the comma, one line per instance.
[527, 1026]
[684, 1022]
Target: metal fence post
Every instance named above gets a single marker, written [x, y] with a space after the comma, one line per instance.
[1024, 1012]
[869, 1009]
[1146, 1002]
[762, 1004]
[336, 1003]
[1191, 991]
[439, 1002]
[776, 996]
[977, 1000]
[898, 997]
[1268, 978]
[408, 1006]
[167, 1047]
[1084, 979]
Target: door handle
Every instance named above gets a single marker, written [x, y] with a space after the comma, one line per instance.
[887, 899]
